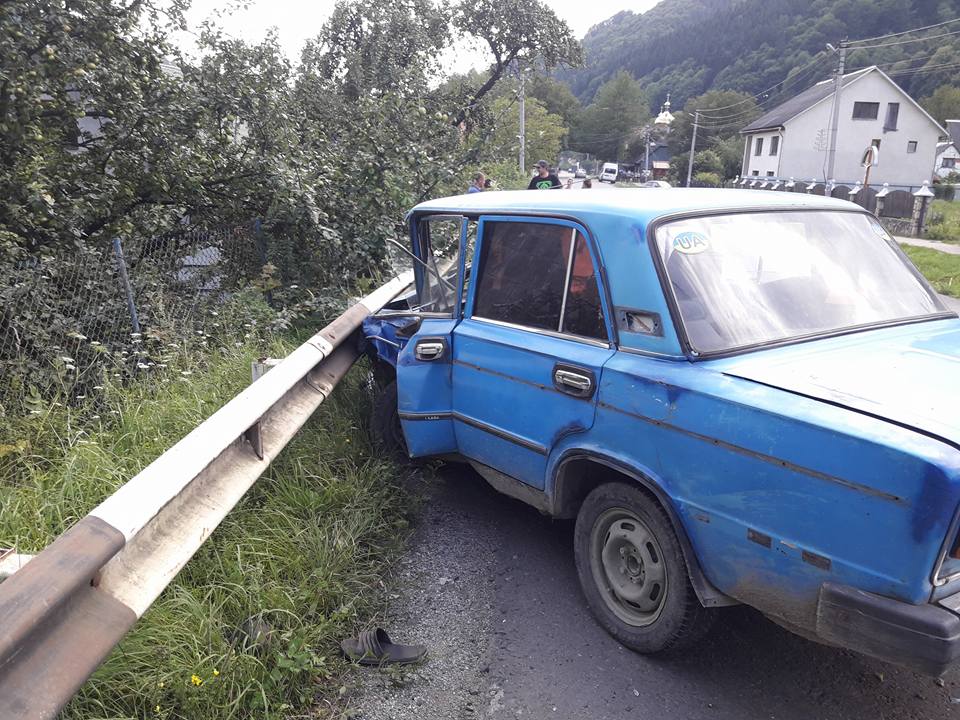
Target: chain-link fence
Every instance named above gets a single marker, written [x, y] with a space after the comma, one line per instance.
[70, 318]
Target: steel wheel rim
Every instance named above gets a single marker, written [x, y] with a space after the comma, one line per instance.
[628, 567]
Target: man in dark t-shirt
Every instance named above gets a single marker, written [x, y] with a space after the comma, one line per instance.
[544, 179]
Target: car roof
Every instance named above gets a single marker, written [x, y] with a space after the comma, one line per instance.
[639, 204]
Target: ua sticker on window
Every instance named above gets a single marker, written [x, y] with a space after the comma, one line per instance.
[690, 243]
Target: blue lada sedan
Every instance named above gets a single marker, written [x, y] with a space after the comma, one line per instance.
[742, 397]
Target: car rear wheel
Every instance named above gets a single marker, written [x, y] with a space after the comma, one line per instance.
[385, 425]
[633, 573]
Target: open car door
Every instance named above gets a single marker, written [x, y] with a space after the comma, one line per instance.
[424, 364]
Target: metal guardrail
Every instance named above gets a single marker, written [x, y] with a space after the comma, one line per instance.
[63, 611]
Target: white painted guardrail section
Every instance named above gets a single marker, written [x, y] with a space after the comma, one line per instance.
[62, 613]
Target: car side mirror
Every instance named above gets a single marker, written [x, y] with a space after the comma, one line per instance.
[408, 331]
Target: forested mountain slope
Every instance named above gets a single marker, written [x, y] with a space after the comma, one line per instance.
[687, 47]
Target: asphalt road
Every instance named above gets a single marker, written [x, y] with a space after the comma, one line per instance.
[489, 585]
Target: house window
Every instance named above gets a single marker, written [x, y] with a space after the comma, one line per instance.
[769, 173]
[757, 172]
[949, 163]
[774, 144]
[866, 110]
[758, 147]
[526, 270]
[911, 146]
[893, 113]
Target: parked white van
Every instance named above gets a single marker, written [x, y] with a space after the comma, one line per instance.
[609, 172]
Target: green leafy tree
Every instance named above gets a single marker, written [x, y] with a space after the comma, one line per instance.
[943, 104]
[101, 64]
[544, 131]
[556, 97]
[522, 32]
[611, 122]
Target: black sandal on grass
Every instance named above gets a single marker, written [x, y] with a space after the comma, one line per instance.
[373, 647]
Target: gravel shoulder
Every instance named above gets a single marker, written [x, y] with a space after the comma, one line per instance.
[441, 595]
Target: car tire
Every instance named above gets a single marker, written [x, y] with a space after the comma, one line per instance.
[633, 573]
[385, 425]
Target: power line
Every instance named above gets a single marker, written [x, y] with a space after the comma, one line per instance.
[763, 105]
[904, 42]
[905, 60]
[814, 60]
[926, 69]
[904, 32]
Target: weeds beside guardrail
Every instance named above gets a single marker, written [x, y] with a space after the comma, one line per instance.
[136, 540]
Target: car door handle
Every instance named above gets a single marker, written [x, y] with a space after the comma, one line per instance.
[429, 350]
[573, 382]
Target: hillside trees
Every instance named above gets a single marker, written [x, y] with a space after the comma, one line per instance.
[687, 47]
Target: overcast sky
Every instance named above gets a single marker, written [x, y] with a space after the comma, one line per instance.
[298, 20]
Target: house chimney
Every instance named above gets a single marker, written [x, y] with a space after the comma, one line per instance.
[953, 128]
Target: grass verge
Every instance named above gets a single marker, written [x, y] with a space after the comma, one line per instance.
[941, 269]
[250, 628]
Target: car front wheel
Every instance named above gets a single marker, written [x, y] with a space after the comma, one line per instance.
[633, 573]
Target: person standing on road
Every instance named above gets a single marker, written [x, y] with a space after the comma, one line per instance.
[477, 184]
[544, 179]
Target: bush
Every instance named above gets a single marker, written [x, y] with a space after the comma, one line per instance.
[706, 179]
[943, 221]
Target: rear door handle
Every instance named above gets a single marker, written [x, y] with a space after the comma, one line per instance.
[573, 380]
[429, 349]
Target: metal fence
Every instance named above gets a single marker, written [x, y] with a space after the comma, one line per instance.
[72, 318]
[901, 207]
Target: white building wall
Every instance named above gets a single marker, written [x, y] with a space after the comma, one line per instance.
[764, 163]
[805, 139]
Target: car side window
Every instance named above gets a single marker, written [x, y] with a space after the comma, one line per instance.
[540, 276]
[583, 313]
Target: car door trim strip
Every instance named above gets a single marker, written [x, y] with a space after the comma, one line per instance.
[505, 376]
[773, 460]
[502, 434]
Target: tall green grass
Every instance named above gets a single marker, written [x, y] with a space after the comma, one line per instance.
[941, 269]
[250, 627]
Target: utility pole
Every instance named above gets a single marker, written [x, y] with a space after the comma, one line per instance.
[693, 145]
[523, 122]
[835, 114]
[646, 156]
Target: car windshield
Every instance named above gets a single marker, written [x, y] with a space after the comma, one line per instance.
[749, 278]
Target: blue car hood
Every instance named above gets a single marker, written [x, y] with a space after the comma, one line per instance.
[909, 375]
